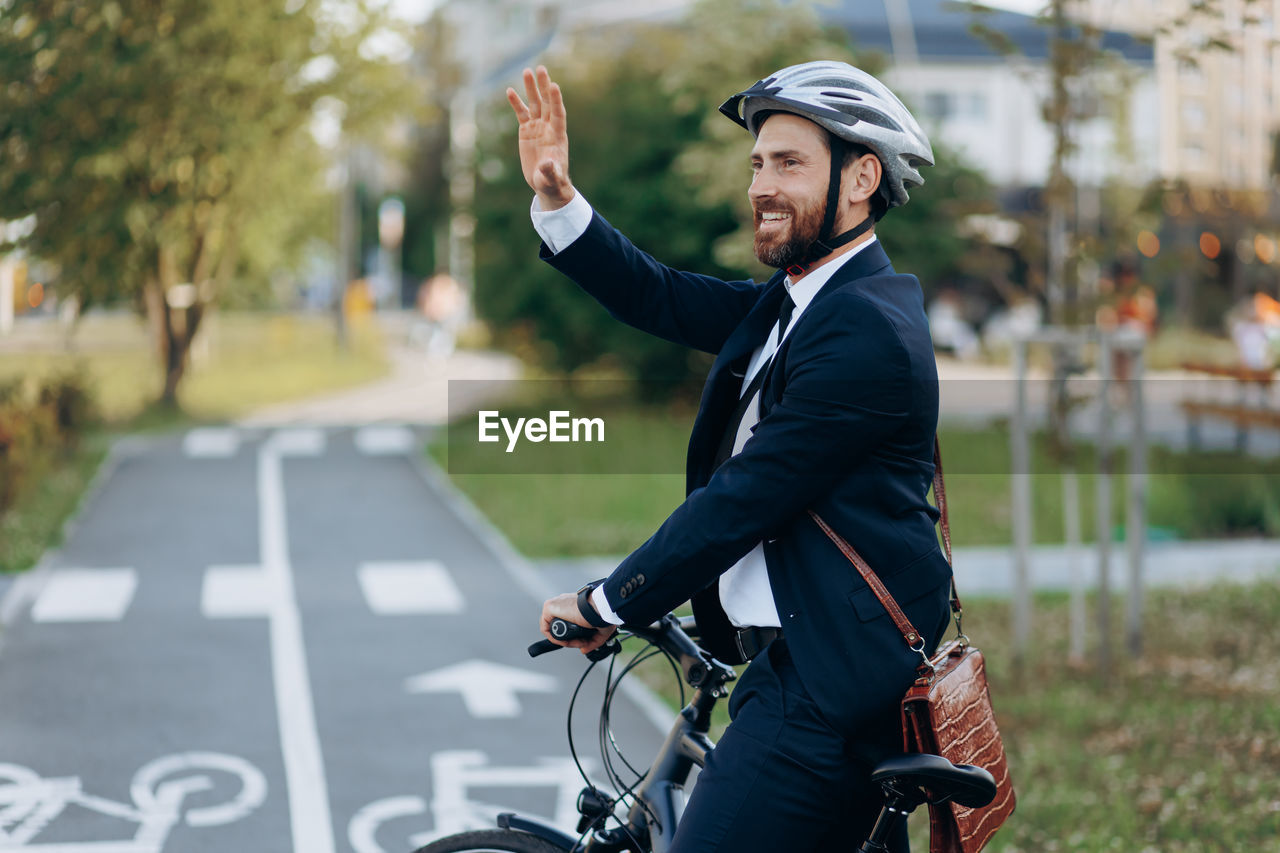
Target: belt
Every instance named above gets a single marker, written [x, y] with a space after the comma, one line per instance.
[752, 641]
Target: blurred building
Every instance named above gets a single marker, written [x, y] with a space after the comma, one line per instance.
[1218, 71]
[988, 105]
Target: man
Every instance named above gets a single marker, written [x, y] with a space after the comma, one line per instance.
[823, 396]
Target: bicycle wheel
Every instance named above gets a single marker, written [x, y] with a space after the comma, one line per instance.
[491, 841]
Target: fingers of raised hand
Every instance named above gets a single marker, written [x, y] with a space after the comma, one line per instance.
[532, 92]
[522, 111]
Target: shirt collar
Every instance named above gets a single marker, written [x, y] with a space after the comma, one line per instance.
[802, 292]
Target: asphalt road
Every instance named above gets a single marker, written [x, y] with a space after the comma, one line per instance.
[282, 640]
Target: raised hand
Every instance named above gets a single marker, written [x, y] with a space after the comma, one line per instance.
[544, 139]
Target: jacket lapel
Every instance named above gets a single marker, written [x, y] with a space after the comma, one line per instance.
[720, 394]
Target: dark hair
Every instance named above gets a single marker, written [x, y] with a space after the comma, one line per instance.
[850, 151]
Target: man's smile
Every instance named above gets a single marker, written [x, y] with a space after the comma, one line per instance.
[772, 219]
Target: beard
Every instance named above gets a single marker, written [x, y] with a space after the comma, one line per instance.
[789, 245]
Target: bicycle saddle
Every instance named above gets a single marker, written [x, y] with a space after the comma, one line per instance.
[934, 779]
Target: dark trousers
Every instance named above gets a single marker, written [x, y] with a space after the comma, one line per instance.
[781, 778]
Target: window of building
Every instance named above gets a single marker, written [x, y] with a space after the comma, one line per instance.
[938, 105]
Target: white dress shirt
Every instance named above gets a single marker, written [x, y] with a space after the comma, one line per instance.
[745, 593]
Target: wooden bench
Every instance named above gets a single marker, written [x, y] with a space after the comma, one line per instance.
[1241, 413]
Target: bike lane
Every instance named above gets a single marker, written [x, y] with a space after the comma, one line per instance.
[311, 614]
[109, 673]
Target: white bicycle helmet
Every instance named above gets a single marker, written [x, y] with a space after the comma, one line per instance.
[852, 106]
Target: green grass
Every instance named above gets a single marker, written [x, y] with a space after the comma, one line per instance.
[578, 514]
[248, 361]
[35, 523]
[545, 514]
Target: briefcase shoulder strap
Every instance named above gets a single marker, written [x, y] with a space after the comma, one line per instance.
[900, 620]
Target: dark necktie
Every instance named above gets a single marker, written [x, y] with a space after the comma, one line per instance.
[725, 450]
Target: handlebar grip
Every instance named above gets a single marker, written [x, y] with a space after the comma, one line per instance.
[542, 647]
[561, 630]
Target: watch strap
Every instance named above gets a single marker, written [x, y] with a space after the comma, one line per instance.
[587, 609]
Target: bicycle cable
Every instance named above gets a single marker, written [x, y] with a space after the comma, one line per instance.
[625, 793]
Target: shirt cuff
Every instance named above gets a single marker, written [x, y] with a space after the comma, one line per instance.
[559, 228]
[601, 604]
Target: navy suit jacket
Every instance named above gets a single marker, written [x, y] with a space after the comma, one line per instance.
[849, 411]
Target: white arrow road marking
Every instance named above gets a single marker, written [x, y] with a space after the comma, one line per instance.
[384, 440]
[423, 587]
[303, 441]
[236, 592]
[488, 689]
[211, 443]
[85, 595]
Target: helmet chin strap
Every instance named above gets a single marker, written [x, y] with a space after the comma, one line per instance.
[826, 244]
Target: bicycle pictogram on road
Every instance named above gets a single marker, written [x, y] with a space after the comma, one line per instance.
[29, 803]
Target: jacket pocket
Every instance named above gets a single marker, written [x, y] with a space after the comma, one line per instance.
[916, 579]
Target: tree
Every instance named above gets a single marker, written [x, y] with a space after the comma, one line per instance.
[156, 140]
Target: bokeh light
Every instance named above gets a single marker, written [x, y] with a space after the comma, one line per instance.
[35, 295]
[1148, 244]
[1244, 250]
[1210, 245]
[1264, 248]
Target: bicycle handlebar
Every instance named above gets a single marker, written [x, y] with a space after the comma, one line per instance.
[674, 635]
[561, 630]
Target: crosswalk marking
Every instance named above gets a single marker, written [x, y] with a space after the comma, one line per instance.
[303, 441]
[384, 440]
[421, 587]
[235, 592]
[211, 443]
[85, 595]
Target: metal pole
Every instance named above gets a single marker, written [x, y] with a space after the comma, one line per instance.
[348, 237]
[1022, 518]
[1136, 512]
[1103, 522]
[8, 270]
[1071, 521]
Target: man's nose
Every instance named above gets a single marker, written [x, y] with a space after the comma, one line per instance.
[762, 186]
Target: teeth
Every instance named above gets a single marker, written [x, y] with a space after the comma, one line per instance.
[768, 217]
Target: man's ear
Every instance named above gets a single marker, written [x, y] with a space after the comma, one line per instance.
[862, 178]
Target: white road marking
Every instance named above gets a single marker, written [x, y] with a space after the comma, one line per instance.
[149, 787]
[302, 441]
[455, 773]
[159, 791]
[488, 689]
[421, 587]
[236, 592]
[211, 442]
[299, 738]
[85, 595]
[363, 829]
[384, 440]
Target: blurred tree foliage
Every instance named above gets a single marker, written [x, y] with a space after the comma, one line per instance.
[654, 156]
[162, 142]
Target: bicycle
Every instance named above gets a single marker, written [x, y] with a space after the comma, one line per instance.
[653, 803]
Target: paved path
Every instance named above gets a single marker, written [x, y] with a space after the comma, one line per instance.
[280, 640]
[416, 391]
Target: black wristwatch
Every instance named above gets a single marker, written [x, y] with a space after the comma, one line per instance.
[587, 609]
